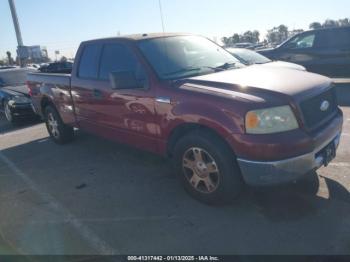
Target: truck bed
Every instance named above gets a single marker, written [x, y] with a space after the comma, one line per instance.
[55, 79]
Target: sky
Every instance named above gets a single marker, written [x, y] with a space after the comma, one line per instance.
[63, 24]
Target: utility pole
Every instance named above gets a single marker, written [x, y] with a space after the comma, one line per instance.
[18, 31]
[161, 14]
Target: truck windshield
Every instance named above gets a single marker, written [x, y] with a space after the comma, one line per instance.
[185, 56]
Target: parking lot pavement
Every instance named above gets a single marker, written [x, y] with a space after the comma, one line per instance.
[93, 196]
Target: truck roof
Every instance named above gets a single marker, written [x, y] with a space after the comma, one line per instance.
[138, 37]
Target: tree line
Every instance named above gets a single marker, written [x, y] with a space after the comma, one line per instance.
[330, 23]
[278, 34]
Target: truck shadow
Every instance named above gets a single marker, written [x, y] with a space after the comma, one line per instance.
[128, 195]
[94, 158]
[297, 200]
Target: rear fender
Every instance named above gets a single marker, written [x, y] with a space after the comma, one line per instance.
[61, 100]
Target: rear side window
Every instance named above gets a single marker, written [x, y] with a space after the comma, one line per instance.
[116, 58]
[88, 66]
[334, 38]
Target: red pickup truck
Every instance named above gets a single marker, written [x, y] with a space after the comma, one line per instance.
[224, 124]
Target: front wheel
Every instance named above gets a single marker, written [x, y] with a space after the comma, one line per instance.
[207, 168]
[8, 113]
[59, 132]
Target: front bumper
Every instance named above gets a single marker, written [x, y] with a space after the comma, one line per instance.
[22, 110]
[259, 173]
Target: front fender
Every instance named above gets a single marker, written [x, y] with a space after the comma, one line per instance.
[222, 122]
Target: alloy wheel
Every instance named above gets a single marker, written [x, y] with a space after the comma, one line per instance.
[8, 112]
[53, 125]
[201, 170]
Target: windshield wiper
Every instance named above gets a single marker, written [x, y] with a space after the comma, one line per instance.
[190, 69]
[183, 70]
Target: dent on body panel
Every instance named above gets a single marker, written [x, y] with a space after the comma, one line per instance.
[142, 123]
[63, 97]
[137, 114]
[60, 96]
[77, 99]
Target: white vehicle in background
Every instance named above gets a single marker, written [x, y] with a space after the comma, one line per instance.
[33, 66]
[249, 57]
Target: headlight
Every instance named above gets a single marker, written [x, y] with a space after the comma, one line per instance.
[19, 100]
[270, 120]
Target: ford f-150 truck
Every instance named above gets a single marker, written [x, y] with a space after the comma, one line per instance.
[183, 96]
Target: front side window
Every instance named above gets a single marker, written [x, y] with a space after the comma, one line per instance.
[88, 66]
[302, 41]
[116, 58]
[184, 56]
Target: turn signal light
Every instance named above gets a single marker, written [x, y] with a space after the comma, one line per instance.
[252, 120]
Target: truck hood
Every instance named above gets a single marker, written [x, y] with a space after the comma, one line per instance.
[257, 79]
[285, 65]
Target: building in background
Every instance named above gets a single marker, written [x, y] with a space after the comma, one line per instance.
[33, 54]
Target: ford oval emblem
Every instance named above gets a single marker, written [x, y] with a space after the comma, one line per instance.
[324, 105]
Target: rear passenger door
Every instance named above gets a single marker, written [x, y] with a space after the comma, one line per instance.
[125, 115]
[334, 52]
[84, 85]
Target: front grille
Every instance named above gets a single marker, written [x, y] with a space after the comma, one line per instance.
[311, 108]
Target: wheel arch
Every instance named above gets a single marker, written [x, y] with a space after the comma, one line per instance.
[44, 102]
[185, 128]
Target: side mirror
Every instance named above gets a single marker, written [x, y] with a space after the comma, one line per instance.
[125, 80]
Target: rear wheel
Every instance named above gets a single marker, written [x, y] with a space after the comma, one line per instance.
[59, 132]
[207, 168]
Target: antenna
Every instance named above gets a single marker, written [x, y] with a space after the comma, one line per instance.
[161, 14]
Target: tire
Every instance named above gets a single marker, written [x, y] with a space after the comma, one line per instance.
[58, 131]
[8, 113]
[207, 168]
